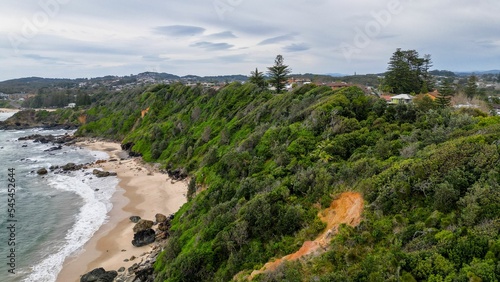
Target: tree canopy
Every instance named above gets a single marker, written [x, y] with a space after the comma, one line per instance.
[408, 73]
[257, 78]
[278, 73]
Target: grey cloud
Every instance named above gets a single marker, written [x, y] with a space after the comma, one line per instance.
[153, 58]
[296, 47]
[179, 30]
[49, 60]
[40, 58]
[488, 43]
[277, 39]
[212, 46]
[223, 35]
[233, 58]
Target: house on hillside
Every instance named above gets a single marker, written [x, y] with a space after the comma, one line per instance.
[386, 97]
[71, 105]
[339, 85]
[401, 99]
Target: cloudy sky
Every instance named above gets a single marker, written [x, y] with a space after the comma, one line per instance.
[75, 38]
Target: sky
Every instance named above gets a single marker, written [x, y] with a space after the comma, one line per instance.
[78, 39]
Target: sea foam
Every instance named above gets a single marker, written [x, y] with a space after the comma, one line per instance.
[93, 214]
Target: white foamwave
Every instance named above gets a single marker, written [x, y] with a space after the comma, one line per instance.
[90, 217]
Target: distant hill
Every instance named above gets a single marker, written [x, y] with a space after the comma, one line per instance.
[33, 84]
[477, 72]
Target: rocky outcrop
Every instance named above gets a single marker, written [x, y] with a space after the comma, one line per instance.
[99, 275]
[53, 149]
[71, 167]
[144, 237]
[101, 173]
[142, 225]
[177, 174]
[160, 217]
[142, 271]
[44, 139]
[128, 147]
[42, 171]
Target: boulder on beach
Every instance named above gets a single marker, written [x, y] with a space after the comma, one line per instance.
[101, 173]
[99, 275]
[142, 225]
[135, 218]
[144, 237]
[164, 226]
[160, 217]
[42, 171]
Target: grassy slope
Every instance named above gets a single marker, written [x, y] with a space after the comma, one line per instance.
[270, 162]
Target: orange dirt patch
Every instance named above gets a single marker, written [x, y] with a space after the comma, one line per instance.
[82, 119]
[346, 209]
[144, 112]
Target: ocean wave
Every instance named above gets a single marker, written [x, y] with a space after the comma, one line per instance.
[90, 217]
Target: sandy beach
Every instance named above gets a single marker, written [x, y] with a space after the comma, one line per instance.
[142, 192]
[8, 110]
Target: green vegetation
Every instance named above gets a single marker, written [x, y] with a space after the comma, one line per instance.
[268, 164]
[278, 73]
[446, 92]
[408, 73]
[257, 78]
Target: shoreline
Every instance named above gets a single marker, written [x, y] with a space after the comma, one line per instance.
[141, 191]
[9, 110]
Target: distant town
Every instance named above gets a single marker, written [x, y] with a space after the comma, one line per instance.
[15, 93]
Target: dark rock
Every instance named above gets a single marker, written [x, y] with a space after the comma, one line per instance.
[24, 146]
[160, 217]
[128, 147]
[101, 173]
[145, 274]
[177, 174]
[44, 139]
[144, 237]
[99, 275]
[135, 218]
[164, 226]
[54, 167]
[121, 269]
[53, 149]
[71, 167]
[42, 171]
[142, 225]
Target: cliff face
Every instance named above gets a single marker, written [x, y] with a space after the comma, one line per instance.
[60, 119]
[263, 166]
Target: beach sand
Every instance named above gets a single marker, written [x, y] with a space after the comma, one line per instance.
[142, 192]
[8, 110]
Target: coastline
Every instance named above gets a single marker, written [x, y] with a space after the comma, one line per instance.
[9, 110]
[141, 191]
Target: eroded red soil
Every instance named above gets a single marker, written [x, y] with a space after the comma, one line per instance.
[347, 208]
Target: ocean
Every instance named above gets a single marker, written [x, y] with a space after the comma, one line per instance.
[46, 219]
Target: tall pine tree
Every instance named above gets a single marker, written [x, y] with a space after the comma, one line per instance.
[278, 74]
[257, 78]
[471, 88]
[445, 93]
[408, 73]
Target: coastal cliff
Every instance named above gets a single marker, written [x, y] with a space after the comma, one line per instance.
[263, 166]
